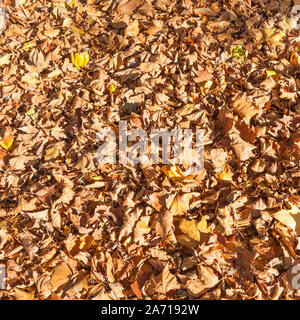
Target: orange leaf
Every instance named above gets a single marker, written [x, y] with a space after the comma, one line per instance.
[7, 142]
[2, 155]
[226, 174]
[295, 58]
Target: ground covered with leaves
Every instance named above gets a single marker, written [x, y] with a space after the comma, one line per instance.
[71, 228]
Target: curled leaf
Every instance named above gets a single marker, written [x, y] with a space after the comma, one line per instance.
[29, 45]
[80, 60]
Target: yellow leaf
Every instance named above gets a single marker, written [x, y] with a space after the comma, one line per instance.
[270, 73]
[7, 142]
[112, 88]
[203, 227]
[190, 233]
[173, 173]
[190, 229]
[29, 45]
[79, 60]
[226, 174]
[77, 30]
[71, 3]
[51, 153]
[94, 177]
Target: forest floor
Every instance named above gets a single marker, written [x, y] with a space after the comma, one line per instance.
[74, 228]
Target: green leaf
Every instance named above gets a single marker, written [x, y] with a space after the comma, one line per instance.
[32, 114]
[239, 52]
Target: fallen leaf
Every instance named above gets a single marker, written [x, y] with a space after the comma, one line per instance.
[244, 107]
[7, 142]
[60, 275]
[5, 59]
[226, 174]
[52, 153]
[23, 295]
[80, 60]
[289, 217]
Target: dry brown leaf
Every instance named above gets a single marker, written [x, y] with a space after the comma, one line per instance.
[289, 217]
[60, 275]
[244, 107]
[23, 295]
[162, 283]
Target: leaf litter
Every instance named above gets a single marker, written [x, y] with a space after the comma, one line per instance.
[71, 228]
